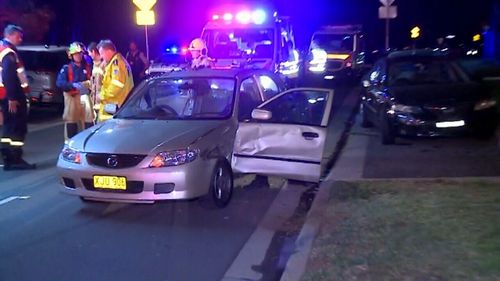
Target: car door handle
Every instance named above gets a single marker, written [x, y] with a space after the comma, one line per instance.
[310, 135]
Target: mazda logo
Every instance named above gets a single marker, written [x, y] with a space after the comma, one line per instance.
[112, 161]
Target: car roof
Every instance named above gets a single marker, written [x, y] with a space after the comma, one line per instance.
[222, 73]
[42, 48]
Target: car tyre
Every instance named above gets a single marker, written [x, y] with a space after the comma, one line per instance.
[365, 121]
[387, 131]
[221, 185]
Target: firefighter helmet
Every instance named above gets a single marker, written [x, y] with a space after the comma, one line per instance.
[75, 48]
[198, 45]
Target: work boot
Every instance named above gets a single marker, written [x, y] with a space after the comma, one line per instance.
[18, 165]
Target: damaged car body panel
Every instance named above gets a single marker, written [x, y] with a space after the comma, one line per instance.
[291, 142]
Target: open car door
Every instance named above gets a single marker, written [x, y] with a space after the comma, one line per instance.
[286, 136]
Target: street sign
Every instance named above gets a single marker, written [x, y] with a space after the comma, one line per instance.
[145, 18]
[388, 12]
[144, 5]
[476, 38]
[387, 2]
[415, 32]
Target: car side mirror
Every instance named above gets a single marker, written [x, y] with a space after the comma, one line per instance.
[111, 108]
[261, 114]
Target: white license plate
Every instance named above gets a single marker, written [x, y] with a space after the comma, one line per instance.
[450, 124]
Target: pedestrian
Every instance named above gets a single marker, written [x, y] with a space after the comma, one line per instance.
[117, 81]
[97, 75]
[199, 51]
[13, 90]
[137, 61]
[74, 80]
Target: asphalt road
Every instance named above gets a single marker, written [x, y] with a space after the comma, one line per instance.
[47, 235]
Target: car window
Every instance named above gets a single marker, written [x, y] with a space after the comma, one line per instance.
[301, 107]
[269, 86]
[181, 99]
[422, 71]
[249, 99]
[43, 61]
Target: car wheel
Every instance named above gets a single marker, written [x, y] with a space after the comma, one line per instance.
[387, 131]
[221, 185]
[365, 121]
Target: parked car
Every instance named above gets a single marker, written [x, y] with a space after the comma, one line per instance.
[183, 134]
[173, 59]
[424, 93]
[43, 63]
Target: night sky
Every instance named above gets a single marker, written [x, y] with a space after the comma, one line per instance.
[180, 21]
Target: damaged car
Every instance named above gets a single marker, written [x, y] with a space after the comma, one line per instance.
[184, 134]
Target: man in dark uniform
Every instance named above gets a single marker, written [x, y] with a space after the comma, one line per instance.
[14, 104]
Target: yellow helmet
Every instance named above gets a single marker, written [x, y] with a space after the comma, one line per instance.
[75, 48]
[198, 45]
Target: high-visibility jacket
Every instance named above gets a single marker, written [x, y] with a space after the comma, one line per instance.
[116, 84]
[13, 80]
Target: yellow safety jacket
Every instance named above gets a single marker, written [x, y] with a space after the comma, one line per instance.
[116, 84]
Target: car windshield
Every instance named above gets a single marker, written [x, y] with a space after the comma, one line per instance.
[181, 99]
[424, 71]
[240, 43]
[333, 42]
[43, 61]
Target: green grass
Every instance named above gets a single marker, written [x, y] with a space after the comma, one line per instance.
[407, 230]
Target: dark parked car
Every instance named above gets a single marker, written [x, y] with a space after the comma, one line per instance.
[424, 93]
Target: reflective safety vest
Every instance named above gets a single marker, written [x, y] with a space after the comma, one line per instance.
[21, 72]
[71, 76]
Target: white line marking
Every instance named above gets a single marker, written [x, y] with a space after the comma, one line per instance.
[12, 198]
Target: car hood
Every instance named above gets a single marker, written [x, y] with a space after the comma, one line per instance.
[142, 136]
[430, 94]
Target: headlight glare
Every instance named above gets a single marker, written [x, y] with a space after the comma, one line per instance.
[485, 104]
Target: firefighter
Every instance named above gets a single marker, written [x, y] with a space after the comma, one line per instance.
[97, 75]
[13, 90]
[199, 52]
[117, 81]
[74, 80]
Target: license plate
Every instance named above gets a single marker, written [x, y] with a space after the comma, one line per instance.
[451, 124]
[110, 182]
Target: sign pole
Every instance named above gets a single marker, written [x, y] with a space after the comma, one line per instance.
[147, 41]
[387, 33]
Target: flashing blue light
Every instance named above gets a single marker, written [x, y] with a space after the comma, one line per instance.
[174, 50]
[259, 16]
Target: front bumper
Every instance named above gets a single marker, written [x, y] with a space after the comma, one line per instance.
[144, 184]
[415, 126]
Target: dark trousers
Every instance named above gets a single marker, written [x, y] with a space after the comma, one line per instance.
[15, 128]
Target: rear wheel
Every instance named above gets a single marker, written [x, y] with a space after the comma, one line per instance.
[221, 185]
[387, 130]
[365, 121]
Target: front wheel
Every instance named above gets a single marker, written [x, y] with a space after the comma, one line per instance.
[221, 185]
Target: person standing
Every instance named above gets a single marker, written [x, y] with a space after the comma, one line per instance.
[74, 80]
[97, 75]
[13, 89]
[117, 81]
[199, 51]
[137, 61]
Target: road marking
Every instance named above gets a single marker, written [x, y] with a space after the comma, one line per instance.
[39, 127]
[12, 198]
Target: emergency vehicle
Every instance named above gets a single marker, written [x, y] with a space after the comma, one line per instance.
[252, 39]
[336, 52]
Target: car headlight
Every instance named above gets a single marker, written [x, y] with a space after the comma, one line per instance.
[318, 61]
[400, 108]
[174, 158]
[71, 155]
[485, 104]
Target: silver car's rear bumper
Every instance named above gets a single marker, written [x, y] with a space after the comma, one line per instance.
[189, 181]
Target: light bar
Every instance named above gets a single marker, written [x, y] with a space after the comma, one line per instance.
[244, 17]
[338, 56]
[228, 17]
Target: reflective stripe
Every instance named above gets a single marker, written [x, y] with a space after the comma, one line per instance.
[20, 70]
[5, 140]
[117, 83]
[16, 143]
[97, 71]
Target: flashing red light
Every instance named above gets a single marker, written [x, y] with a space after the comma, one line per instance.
[184, 50]
[244, 17]
[215, 17]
